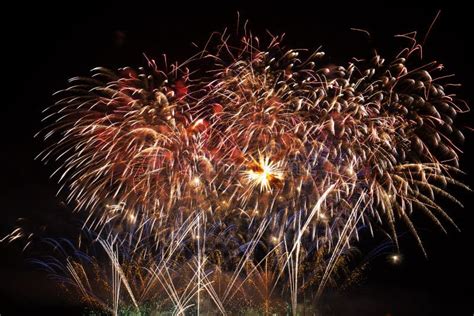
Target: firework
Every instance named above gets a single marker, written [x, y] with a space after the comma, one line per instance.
[266, 162]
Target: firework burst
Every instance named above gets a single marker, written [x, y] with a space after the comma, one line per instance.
[267, 162]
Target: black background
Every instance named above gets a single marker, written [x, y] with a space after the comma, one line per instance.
[45, 45]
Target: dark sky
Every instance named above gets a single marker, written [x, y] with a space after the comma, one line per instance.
[45, 45]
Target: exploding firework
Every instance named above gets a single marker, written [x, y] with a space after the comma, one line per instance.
[267, 163]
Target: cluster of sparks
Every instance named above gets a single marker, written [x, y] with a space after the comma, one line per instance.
[262, 165]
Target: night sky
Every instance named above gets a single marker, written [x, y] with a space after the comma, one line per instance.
[45, 45]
